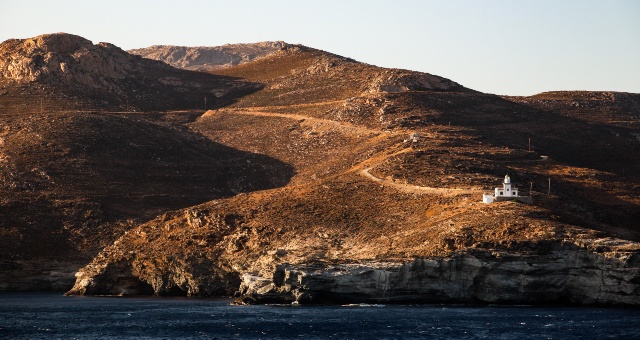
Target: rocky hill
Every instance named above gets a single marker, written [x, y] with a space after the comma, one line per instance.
[62, 72]
[207, 58]
[371, 217]
[341, 205]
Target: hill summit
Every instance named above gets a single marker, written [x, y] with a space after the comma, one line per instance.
[68, 58]
[68, 71]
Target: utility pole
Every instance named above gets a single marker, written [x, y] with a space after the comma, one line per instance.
[549, 190]
[529, 144]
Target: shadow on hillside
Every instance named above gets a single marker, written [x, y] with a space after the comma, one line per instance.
[176, 89]
[69, 175]
[567, 139]
[167, 91]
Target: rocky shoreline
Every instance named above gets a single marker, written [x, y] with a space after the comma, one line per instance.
[564, 274]
[567, 276]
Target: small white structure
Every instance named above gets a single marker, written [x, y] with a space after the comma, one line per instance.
[506, 193]
[506, 190]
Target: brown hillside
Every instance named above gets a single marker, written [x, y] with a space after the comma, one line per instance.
[361, 193]
[355, 93]
[302, 75]
[72, 183]
[74, 178]
[303, 160]
[616, 108]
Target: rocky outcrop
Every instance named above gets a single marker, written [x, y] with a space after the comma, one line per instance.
[164, 277]
[204, 58]
[139, 263]
[67, 57]
[393, 80]
[569, 275]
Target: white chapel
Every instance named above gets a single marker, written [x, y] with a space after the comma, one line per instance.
[507, 191]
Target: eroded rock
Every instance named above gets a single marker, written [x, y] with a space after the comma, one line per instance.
[569, 275]
[394, 80]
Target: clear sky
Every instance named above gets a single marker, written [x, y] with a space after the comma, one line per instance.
[513, 47]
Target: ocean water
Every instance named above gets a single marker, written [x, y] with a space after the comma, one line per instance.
[52, 316]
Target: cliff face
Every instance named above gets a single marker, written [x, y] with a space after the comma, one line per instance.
[570, 275]
[597, 271]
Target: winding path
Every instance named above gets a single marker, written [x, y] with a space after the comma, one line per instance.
[341, 126]
[365, 167]
[410, 188]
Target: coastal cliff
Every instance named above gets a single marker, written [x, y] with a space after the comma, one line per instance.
[244, 252]
[564, 274]
[568, 276]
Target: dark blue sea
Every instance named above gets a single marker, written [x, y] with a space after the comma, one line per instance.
[51, 316]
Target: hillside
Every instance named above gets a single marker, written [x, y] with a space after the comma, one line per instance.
[72, 183]
[470, 138]
[617, 108]
[301, 184]
[366, 209]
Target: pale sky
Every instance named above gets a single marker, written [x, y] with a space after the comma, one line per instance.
[516, 47]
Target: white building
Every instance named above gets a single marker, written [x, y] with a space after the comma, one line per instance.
[506, 190]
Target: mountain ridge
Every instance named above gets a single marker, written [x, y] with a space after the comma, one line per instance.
[207, 58]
